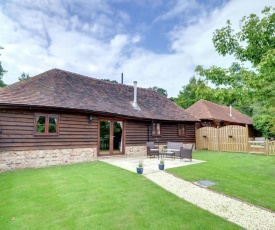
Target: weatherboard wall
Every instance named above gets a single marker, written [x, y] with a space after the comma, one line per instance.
[17, 128]
[137, 133]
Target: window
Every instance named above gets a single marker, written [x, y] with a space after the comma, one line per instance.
[181, 130]
[156, 130]
[46, 124]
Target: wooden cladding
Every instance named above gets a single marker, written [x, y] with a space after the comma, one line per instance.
[137, 133]
[18, 127]
[74, 131]
[170, 133]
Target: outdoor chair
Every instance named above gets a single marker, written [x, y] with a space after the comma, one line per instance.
[186, 153]
[151, 149]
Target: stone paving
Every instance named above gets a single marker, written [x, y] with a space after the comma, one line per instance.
[244, 214]
[150, 165]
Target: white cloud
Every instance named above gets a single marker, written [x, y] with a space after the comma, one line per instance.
[178, 9]
[92, 39]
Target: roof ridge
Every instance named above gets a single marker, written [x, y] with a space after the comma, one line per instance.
[57, 88]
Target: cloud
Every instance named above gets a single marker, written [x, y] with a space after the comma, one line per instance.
[95, 38]
[178, 9]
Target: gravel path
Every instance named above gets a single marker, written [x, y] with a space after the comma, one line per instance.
[246, 215]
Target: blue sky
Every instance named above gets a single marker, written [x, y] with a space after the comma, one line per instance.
[157, 42]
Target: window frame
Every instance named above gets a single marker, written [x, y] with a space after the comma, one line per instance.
[47, 122]
[182, 131]
[155, 129]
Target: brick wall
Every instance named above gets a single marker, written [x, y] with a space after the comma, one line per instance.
[10, 160]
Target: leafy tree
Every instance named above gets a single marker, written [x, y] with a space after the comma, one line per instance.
[160, 90]
[173, 99]
[2, 72]
[262, 123]
[24, 76]
[194, 91]
[108, 80]
[254, 43]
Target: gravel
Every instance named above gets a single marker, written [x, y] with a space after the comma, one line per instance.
[246, 215]
[241, 213]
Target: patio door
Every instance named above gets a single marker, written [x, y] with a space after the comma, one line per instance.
[110, 137]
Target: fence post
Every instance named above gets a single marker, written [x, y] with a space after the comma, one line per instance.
[267, 147]
[247, 138]
[218, 137]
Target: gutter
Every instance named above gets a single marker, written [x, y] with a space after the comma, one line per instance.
[30, 107]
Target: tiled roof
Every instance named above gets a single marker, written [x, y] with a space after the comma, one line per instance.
[62, 89]
[206, 110]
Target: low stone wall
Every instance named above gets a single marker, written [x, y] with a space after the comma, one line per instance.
[10, 160]
[134, 151]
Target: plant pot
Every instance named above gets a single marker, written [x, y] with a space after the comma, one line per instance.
[161, 167]
[139, 170]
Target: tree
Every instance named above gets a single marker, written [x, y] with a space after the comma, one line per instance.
[108, 80]
[2, 72]
[24, 76]
[254, 43]
[194, 91]
[160, 90]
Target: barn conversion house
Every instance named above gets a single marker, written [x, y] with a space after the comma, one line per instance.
[59, 117]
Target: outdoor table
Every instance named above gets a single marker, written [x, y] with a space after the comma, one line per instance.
[167, 153]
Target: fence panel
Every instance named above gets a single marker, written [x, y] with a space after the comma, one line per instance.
[271, 148]
[260, 147]
[232, 138]
[206, 138]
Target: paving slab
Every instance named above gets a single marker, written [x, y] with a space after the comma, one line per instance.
[150, 165]
[242, 213]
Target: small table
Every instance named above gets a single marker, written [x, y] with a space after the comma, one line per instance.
[167, 153]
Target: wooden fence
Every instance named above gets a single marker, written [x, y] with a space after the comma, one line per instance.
[232, 138]
[271, 148]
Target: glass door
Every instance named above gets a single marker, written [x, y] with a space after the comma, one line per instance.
[104, 137]
[117, 137]
[111, 137]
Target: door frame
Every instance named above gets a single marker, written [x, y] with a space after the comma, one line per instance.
[111, 141]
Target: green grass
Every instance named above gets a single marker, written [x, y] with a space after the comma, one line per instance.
[94, 196]
[245, 176]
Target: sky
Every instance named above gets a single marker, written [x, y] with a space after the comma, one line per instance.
[154, 42]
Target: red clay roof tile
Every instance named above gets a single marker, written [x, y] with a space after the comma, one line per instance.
[206, 110]
[62, 89]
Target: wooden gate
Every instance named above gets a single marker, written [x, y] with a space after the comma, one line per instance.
[232, 138]
[206, 138]
[271, 148]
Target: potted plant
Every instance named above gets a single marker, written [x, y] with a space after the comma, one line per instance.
[161, 164]
[140, 167]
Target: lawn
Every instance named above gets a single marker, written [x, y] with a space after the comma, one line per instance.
[245, 176]
[94, 196]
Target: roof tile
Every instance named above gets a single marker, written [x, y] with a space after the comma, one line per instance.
[207, 110]
[62, 89]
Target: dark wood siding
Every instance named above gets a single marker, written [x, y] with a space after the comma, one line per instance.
[137, 133]
[170, 133]
[74, 131]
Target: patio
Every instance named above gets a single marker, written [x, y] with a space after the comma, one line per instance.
[234, 210]
[150, 165]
